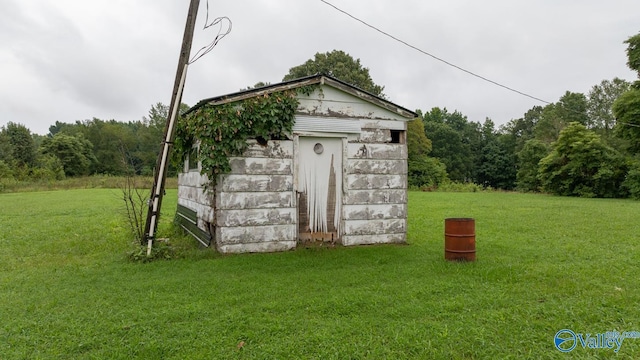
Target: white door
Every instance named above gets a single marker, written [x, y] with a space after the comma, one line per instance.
[319, 188]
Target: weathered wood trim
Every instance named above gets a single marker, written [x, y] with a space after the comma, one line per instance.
[375, 212]
[351, 240]
[371, 182]
[249, 183]
[254, 234]
[296, 160]
[260, 166]
[390, 196]
[375, 227]
[345, 168]
[272, 246]
[383, 167]
[254, 200]
[377, 151]
[255, 217]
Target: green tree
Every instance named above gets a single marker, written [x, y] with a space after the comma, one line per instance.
[521, 130]
[580, 164]
[600, 104]
[496, 166]
[626, 109]
[528, 165]
[48, 167]
[74, 152]
[423, 170]
[21, 147]
[456, 142]
[340, 65]
[633, 53]
[572, 107]
[417, 142]
[632, 180]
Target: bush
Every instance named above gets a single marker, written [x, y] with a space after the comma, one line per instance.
[632, 181]
[454, 186]
[427, 171]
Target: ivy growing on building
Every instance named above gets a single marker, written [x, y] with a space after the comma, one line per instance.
[221, 131]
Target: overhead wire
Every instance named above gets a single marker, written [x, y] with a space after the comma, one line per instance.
[221, 34]
[445, 61]
[433, 56]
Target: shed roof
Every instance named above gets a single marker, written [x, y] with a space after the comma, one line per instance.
[305, 81]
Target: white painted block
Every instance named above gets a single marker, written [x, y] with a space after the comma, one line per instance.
[372, 212]
[248, 183]
[272, 246]
[372, 182]
[351, 240]
[374, 227]
[280, 149]
[384, 167]
[254, 234]
[254, 200]
[256, 217]
[260, 166]
[377, 151]
[375, 136]
[384, 196]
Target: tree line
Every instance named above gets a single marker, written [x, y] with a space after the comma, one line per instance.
[83, 148]
[581, 145]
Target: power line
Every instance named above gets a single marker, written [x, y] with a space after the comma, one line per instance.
[221, 34]
[433, 56]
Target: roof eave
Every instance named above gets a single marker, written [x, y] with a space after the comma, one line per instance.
[306, 81]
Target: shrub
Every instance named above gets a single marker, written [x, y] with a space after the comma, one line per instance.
[632, 181]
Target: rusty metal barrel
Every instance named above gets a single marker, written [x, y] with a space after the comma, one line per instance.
[460, 239]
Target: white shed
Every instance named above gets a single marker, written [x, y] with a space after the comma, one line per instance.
[340, 177]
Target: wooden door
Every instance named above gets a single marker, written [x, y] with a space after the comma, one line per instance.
[319, 189]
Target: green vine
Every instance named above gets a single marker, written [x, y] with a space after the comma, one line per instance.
[222, 130]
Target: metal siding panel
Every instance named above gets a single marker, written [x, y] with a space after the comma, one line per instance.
[315, 124]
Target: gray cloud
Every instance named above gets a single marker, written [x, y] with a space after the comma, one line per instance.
[70, 60]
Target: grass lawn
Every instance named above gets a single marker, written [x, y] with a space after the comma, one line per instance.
[544, 264]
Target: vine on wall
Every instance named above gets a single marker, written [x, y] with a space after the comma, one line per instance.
[223, 130]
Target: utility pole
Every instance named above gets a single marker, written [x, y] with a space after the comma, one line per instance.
[155, 201]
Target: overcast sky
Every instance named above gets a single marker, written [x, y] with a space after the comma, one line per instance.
[68, 60]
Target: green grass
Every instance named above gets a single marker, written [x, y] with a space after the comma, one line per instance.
[544, 263]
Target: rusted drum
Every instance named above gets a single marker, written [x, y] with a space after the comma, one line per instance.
[460, 239]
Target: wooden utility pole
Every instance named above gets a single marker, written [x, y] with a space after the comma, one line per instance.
[155, 201]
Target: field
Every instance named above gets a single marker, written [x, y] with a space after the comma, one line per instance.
[67, 289]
